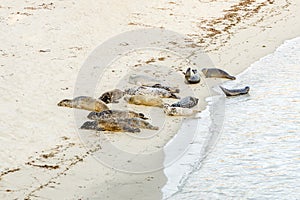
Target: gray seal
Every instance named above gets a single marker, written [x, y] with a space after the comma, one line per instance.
[106, 114]
[186, 102]
[235, 92]
[118, 125]
[168, 88]
[192, 76]
[109, 126]
[216, 73]
[157, 92]
[178, 111]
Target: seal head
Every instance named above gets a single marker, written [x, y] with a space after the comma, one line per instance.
[192, 76]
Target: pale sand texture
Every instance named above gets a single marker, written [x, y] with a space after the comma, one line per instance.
[42, 49]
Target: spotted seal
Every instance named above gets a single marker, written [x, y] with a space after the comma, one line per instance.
[186, 102]
[112, 96]
[106, 114]
[235, 92]
[157, 92]
[85, 103]
[192, 76]
[145, 100]
[119, 124]
[216, 73]
[178, 111]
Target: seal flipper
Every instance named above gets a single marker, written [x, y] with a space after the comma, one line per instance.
[142, 116]
[105, 98]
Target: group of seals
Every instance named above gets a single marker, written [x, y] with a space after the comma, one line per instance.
[150, 95]
[192, 76]
[218, 73]
[105, 119]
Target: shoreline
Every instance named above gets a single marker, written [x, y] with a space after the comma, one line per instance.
[46, 165]
[229, 162]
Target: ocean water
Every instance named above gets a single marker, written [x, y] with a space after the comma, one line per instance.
[255, 151]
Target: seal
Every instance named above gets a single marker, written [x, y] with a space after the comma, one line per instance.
[145, 100]
[118, 125]
[112, 96]
[157, 92]
[216, 73]
[168, 88]
[109, 126]
[178, 111]
[106, 114]
[142, 80]
[186, 102]
[192, 76]
[85, 103]
[235, 92]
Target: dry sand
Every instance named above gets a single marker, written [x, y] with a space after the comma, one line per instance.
[45, 44]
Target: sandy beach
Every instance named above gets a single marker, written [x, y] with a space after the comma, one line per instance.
[43, 48]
